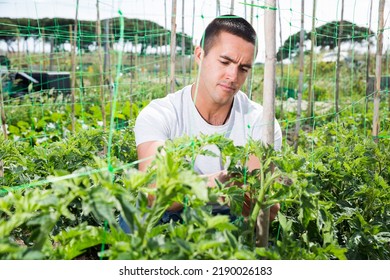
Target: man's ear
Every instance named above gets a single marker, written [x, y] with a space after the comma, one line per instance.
[199, 54]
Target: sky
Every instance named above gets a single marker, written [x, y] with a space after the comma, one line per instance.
[356, 11]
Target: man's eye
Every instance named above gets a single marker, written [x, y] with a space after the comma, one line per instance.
[224, 62]
[244, 70]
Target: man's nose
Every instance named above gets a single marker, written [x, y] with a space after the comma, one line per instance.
[232, 73]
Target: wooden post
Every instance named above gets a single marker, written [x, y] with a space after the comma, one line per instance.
[161, 57]
[173, 45]
[101, 76]
[18, 48]
[218, 8]
[250, 74]
[43, 50]
[183, 46]
[71, 50]
[368, 59]
[262, 225]
[310, 102]
[74, 70]
[301, 73]
[3, 118]
[51, 55]
[192, 37]
[166, 47]
[107, 61]
[245, 10]
[135, 55]
[378, 71]
[281, 62]
[338, 62]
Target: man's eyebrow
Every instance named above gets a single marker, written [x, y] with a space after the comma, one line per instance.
[232, 60]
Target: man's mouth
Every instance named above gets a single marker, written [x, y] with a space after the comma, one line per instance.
[227, 87]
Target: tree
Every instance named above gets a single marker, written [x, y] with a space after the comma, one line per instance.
[148, 33]
[326, 36]
[327, 33]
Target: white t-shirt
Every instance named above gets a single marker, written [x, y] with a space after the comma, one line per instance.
[176, 115]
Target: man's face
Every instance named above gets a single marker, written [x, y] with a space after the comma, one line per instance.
[225, 67]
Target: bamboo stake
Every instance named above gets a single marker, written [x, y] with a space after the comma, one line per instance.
[218, 8]
[183, 65]
[161, 56]
[378, 71]
[51, 55]
[301, 72]
[262, 225]
[43, 50]
[388, 94]
[71, 45]
[3, 117]
[250, 74]
[18, 47]
[310, 107]
[173, 45]
[107, 61]
[245, 10]
[281, 62]
[101, 77]
[74, 70]
[166, 47]
[338, 62]
[232, 7]
[192, 36]
[368, 60]
[135, 55]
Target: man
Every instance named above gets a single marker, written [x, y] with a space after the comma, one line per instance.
[214, 104]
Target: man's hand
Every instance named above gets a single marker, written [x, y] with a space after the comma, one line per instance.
[221, 176]
[273, 211]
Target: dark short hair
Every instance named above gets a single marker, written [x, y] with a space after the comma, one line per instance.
[232, 24]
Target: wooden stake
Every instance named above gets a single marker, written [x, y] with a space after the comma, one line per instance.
[43, 50]
[173, 45]
[192, 37]
[378, 71]
[161, 57]
[101, 75]
[281, 63]
[166, 47]
[250, 74]
[310, 105]
[107, 61]
[301, 73]
[18, 48]
[218, 8]
[368, 59]
[262, 225]
[3, 117]
[74, 70]
[338, 62]
[183, 45]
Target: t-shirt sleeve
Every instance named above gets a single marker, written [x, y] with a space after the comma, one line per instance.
[277, 137]
[153, 123]
[259, 132]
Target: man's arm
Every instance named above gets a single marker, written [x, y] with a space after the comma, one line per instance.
[146, 154]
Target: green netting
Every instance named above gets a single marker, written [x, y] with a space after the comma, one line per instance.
[134, 69]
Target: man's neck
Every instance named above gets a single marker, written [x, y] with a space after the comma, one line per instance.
[212, 113]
